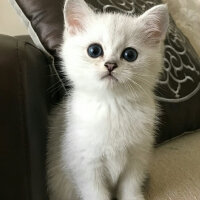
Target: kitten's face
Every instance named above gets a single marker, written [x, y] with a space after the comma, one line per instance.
[103, 51]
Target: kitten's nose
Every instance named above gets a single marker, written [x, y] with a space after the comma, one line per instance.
[110, 66]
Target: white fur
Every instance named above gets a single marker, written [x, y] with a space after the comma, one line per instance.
[101, 137]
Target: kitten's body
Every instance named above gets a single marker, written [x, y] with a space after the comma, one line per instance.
[101, 138]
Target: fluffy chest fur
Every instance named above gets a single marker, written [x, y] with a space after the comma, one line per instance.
[102, 125]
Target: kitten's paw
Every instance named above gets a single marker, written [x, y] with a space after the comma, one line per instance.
[139, 198]
[134, 197]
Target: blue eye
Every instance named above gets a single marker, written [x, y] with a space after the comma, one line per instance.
[95, 50]
[129, 54]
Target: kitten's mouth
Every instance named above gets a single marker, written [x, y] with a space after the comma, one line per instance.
[109, 76]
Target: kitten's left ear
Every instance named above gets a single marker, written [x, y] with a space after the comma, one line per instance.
[76, 15]
[155, 22]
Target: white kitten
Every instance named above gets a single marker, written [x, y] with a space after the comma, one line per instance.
[101, 137]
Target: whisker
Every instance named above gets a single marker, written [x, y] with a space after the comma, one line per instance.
[135, 83]
[52, 86]
[131, 90]
[148, 82]
[55, 90]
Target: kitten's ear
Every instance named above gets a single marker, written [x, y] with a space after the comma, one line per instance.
[76, 15]
[155, 22]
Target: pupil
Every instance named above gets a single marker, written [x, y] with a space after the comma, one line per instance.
[130, 54]
[95, 50]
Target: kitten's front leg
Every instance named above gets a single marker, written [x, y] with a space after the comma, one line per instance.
[132, 179]
[91, 184]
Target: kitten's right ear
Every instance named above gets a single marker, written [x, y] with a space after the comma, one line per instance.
[76, 15]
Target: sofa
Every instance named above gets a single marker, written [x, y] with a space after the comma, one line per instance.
[30, 86]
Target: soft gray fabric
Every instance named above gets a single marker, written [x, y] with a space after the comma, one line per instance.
[175, 170]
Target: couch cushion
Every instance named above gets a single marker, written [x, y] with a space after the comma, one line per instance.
[24, 97]
[175, 170]
[179, 87]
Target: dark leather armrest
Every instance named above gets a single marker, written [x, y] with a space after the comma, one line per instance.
[24, 105]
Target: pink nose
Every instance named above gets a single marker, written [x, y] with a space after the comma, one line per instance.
[110, 66]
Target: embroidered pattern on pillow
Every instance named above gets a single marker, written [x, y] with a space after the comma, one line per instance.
[180, 79]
